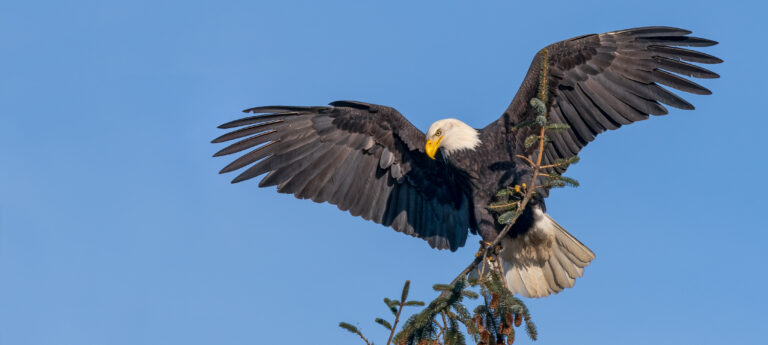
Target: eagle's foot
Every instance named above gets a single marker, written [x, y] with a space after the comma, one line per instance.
[483, 245]
[494, 252]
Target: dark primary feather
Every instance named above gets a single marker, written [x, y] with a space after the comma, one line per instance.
[364, 158]
[601, 82]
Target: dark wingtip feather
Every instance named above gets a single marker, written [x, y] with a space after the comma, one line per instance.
[237, 164]
[684, 68]
[235, 123]
[220, 139]
[238, 179]
[686, 41]
[281, 109]
[267, 109]
[226, 169]
[221, 152]
[701, 42]
[655, 30]
[351, 104]
[687, 106]
[679, 83]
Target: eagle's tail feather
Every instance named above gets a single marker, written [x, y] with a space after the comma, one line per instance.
[543, 261]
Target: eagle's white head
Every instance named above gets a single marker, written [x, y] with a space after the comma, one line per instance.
[452, 135]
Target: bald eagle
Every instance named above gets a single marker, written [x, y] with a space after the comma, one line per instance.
[371, 161]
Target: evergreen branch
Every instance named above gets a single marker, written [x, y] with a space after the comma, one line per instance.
[420, 326]
[569, 181]
[544, 76]
[384, 323]
[531, 328]
[505, 206]
[353, 329]
[443, 329]
[406, 287]
[562, 162]
[558, 126]
[392, 305]
[539, 106]
[507, 217]
[414, 303]
[530, 140]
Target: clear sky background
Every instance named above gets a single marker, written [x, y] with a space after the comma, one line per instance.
[116, 229]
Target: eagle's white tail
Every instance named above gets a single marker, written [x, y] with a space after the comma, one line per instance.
[545, 260]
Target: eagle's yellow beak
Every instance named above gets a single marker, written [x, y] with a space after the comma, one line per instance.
[432, 146]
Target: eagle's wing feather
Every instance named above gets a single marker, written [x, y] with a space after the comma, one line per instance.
[601, 82]
[364, 158]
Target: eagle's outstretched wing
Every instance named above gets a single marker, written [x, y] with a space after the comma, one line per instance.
[364, 158]
[601, 82]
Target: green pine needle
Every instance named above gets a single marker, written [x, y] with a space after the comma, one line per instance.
[406, 287]
[414, 304]
[502, 206]
[453, 335]
[531, 329]
[539, 106]
[392, 305]
[384, 323]
[530, 140]
[567, 161]
[507, 217]
[557, 127]
[349, 327]
[569, 181]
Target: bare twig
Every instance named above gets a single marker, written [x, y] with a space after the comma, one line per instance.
[397, 318]
[543, 95]
[527, 160]
[361, 336]
[443, 329]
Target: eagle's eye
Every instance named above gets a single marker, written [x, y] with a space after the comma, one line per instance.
[439, 133]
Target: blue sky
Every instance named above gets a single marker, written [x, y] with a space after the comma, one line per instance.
[116, 229]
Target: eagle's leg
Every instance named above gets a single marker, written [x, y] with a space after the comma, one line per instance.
[483, 245]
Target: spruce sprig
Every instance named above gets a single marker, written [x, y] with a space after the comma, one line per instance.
[395, 306]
